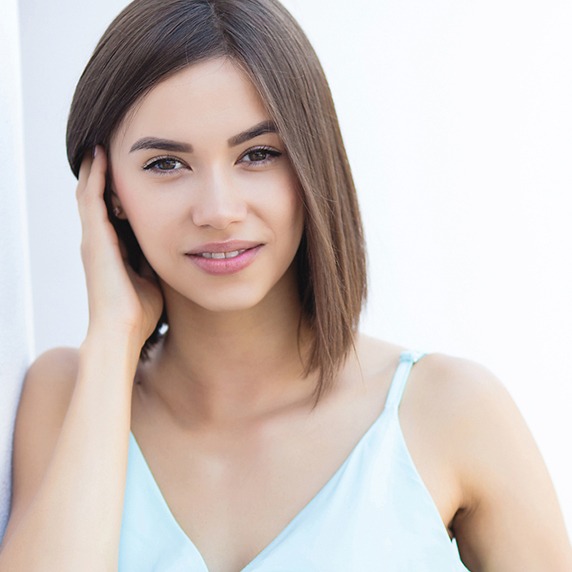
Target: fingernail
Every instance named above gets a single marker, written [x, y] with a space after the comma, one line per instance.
[95, 152]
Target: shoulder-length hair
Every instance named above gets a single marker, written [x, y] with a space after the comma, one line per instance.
[151, 40]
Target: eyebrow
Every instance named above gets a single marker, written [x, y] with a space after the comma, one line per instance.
[179, 147]
[162, 144]
[259, 129]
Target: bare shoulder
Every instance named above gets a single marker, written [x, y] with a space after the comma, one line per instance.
[506, 494]
[451, 384]
[467, 409]
[48, 387]
[58, 365]
[46, 394]
[471, 406]
[460, 388]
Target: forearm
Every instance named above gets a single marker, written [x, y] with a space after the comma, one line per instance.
[74, 521]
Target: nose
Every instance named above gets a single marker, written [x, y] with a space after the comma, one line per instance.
[218, 202]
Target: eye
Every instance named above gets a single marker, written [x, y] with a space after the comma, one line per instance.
[164, 165]
[258, 156]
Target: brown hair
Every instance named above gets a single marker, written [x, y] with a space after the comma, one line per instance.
[151, 40]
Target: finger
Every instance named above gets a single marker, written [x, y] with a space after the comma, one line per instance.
[84, 170]
[91, 186]
[95, 183]
[99, 239]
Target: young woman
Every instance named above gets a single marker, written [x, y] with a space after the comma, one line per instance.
[223, 413]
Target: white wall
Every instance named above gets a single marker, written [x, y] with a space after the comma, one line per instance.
[15, 298]
[458, 124]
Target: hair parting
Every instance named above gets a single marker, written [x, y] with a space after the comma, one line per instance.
[150, 41]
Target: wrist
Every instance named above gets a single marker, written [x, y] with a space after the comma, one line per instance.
[118, 343]
[123, 336]
[109, 359]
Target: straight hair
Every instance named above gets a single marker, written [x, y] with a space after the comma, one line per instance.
[149, 41]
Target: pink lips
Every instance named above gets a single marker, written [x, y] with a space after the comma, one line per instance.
[224, 257]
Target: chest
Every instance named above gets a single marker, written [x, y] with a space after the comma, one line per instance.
[358, 519]
[231, 504]
[233, 496]
[240, 490]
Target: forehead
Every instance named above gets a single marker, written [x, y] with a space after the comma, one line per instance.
[214, 96]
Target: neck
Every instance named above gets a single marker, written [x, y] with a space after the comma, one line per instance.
[224, 366]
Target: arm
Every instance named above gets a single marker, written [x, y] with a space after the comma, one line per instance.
[512, 521]
[71, 440]
[68, 483]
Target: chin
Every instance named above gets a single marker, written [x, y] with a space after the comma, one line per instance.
[268, 292]
[231, 300]
[229, 305]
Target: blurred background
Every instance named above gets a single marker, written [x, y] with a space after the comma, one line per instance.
[457, 118]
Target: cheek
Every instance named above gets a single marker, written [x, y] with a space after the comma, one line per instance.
[125, 186]
[144, 215]
[288, 204]
[283, 214]
[139, 204]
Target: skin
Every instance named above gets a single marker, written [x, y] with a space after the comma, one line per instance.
[227, 382]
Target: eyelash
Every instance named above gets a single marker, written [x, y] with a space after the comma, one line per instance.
[269, 151]
[153, 164]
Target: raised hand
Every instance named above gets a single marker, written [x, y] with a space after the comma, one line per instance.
[120, 300]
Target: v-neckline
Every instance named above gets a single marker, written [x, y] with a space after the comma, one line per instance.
[300, 515]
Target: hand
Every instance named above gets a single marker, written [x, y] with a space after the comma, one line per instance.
[120, 300]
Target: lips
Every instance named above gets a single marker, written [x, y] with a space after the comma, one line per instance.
[224, 257]
[227, 247]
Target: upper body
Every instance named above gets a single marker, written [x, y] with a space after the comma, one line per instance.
[374, 512]
[219, 478]
[211, 206]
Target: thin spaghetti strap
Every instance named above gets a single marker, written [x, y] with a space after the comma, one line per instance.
[399, 381]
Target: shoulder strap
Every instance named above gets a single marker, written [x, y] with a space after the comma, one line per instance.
[406, 361]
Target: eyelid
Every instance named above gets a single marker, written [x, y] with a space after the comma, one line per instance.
[148, 165]
[272, 151]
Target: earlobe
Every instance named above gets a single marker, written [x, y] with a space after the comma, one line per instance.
[116, 207]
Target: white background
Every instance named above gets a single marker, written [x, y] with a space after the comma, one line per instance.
[457, 117]
[15, 294]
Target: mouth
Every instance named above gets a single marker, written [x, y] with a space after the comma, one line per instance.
[225, 257]
[221, 255]
[223, 249]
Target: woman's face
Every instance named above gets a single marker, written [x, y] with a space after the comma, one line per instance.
[204, 180]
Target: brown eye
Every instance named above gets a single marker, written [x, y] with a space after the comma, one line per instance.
[167, 164]
[260, 156]
[164, 165]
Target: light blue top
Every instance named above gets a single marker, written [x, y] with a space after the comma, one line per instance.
[374, 514]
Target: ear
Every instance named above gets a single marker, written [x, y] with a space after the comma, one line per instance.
[116, 207]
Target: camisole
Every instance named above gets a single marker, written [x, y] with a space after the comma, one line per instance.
[374, 514]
